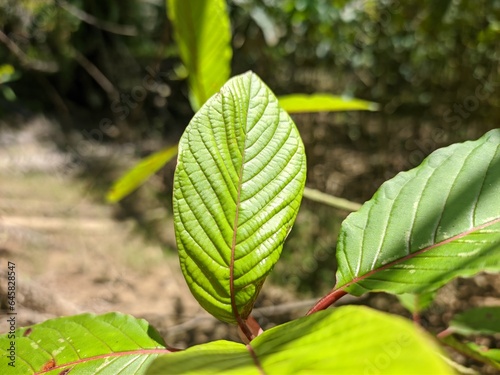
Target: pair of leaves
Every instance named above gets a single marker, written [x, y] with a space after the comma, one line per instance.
[421, 229]
[203, 35]
[348, 340]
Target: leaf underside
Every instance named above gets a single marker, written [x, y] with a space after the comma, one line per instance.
[237, 189]
[84, 344]
[203, 35]
[427, 226]
[347, 340]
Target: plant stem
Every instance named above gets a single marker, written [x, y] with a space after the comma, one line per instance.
[327, 300]
[340, 203]
[445, 333]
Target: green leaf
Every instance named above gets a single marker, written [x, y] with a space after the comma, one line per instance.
[488, 356]
[137, 175]
[481, 320]
[237, 189]
[416, 302]
[84, 344]
[492, 354]
[299, 103]
[202, 32]
[427, 226]
[347, 340]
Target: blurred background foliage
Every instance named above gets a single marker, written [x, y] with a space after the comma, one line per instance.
[111, 69]
[82, 55]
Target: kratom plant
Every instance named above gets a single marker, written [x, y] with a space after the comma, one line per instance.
[237, 190]
[203, 35]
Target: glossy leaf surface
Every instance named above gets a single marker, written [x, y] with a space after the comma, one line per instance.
[347, 340]
[427, 226]
[237, 189]
[84, 344]
[203, 35]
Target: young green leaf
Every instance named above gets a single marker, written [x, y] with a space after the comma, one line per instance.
[84, 344]
[299, 103]
[416, 303]
[347, 340]
[427, 226]
[203, 35]
[480, 320]
[237, 189]
[137, 175]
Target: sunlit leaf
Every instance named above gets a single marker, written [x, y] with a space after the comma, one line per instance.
[84, 344]
[203, 35]
[139, 174]
[298, 103]
[237, 189]
[417, 302]
[427, 226]
[347, 340]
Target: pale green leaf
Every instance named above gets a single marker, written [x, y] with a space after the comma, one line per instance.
[298, 103]
[347, 340]
[138, 174]
[427, 226]
[480, 320]
[203, 35]
[113, 343]
[416, 303]
[237, 189]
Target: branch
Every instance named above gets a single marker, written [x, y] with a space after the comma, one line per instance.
[25, 60]
[341, 203]
[128, 30]
[327, 301]
[95, 73]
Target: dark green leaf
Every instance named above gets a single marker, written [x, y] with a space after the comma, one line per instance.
[480, 320]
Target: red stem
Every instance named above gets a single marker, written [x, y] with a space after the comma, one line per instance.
[327, 301]
[447, 332]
